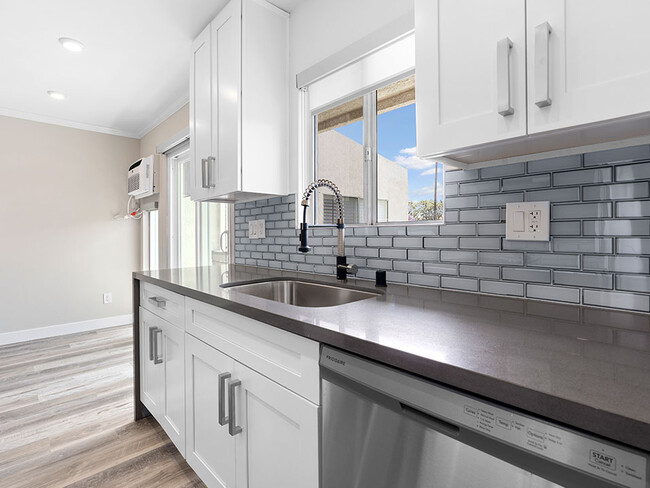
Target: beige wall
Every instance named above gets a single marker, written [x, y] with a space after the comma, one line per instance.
[169, 128]
[60, 248]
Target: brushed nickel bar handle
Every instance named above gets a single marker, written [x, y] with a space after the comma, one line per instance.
[504, 102]
[542, 65]
[223, 419]
[211, 164]
[159, 301]
[233, 428]
[205, 174]
[152, 332]
[157, 359]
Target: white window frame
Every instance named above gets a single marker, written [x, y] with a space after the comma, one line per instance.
[180, 154]
[324, 85]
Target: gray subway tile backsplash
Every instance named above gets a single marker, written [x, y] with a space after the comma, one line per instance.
[599, 252]
[632, 172]
[625, 245]
[441, 242]
[628, 301]
[441, 268]
[458, 230]
[582, 211]
[590, 280]
[491, 272]
[424, 280]
[460, 175]
[392, 253]
[500, 199]
[461, 202]
[527, 182]
[489, 186]
[633, 209]
[621, 264]
[582, 177]
[459, 256]
[421, 255]
[622, 155]
[504, 170]
[555, 164]
[583, 245]
[466, 284]
[566, 261]
[622, 191]
[482, 215]
[501, 258]
[616, 228]
[637, 283]
[527, 275]
[554, 293]
[502, 288]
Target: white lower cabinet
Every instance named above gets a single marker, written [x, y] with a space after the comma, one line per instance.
[162, 374]
[243, 429]
[210, 449]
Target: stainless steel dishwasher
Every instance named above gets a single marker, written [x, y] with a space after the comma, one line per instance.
[382, 428]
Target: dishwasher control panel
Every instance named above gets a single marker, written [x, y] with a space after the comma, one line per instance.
[556, 443]
[608, 461]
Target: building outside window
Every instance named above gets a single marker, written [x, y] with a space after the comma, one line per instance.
[366, 146]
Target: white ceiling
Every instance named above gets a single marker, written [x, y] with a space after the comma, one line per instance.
[132, 74]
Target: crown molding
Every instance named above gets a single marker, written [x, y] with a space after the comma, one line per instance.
[66, 123]
[171, 110]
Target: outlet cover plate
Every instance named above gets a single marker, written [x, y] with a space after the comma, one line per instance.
[256, 229]
[528, 221]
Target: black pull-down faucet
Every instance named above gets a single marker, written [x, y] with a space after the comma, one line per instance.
[342, 268]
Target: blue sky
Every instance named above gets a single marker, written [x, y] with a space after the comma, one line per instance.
[396, 141]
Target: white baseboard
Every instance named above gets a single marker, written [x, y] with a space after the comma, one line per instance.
[63, 329]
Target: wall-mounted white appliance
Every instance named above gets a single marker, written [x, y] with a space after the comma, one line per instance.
[143, 176]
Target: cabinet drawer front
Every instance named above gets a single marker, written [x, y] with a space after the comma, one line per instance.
[164, 303]
[284, 357]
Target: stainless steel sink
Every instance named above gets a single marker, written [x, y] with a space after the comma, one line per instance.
[302, 293]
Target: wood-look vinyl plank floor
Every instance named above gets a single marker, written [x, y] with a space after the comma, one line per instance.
[66, 418]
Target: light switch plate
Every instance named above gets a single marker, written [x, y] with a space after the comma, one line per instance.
[256, 229]
[529, 221]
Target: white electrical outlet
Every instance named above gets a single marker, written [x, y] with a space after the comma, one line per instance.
[108, 298]
[256, 229]
[529, 221]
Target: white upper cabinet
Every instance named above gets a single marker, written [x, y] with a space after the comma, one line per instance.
[238, 103]
[471, 72]
[201, 110]
[597, 61]
[513, 80]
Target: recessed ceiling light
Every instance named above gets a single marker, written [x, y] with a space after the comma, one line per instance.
[71, 44]
[56, 95]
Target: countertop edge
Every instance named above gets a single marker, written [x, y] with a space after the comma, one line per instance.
[574, 415]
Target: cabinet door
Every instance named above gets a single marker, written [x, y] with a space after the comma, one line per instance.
[278, 442]
[173, 365]
[597, 61]
[468, 69]
[151, 370]
[226, 90]
[201, 127]
[210, 449]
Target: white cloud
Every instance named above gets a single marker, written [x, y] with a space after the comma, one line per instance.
[431, 171]
[407, 158]
[426, 191]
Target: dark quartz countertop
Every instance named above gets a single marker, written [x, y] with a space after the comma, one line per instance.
[585, 367]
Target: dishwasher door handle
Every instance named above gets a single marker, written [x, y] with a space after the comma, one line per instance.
[431, 421]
